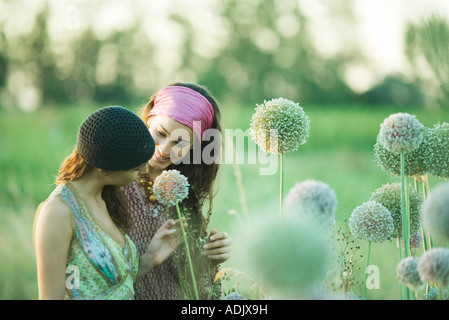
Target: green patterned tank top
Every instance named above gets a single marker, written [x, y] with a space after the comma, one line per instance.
[97, 266]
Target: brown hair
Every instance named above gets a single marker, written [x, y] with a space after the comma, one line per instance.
[74, 167]
[200, 176]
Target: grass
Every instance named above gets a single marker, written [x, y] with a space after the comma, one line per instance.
[339, 152]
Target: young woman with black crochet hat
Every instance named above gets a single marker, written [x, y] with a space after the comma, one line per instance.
[180, 118]
[82, 249]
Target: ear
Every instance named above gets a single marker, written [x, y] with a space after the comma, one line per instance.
[103, 173]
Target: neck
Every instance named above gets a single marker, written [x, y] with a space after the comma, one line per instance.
[153, 173]
[89, 186]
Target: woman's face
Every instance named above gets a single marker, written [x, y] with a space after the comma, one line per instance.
[172, 141]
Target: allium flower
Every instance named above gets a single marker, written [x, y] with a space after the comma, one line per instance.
[417, 161]
[279, 126]
[372, 222]
[433, 266]
[170, 187]
[314, 200]
[389, 195]
[435, 211]
[439, 146]
[287, 255]
[416, 240]
[408, 275]
[401, 132]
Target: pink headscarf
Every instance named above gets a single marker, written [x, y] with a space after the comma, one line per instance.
[186, 106]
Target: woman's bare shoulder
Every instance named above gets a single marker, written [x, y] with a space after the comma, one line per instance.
[54, 212]
[55, 206]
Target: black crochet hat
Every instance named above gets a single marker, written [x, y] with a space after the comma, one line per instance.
[114, 138]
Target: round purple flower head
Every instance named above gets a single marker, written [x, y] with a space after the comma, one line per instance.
[439, 147]
[401, 132]
[372, 222]
[417, 161]
[407, 273]
[288, 255]
[171, 187]
[416, 240]
[279, 126]
[314, 200]
[435, 211]
[389, 195]
[433, 266]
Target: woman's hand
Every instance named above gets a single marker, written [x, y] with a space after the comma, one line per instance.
[167, 238]
[218, 247]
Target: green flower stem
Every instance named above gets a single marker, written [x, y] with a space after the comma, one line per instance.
[281, 197]
[427, 239]
[407, 214]
[188, 252]
[405, 211]
[425, 186]
[401, 287]
[424, 237]
[367, 265]
[430, 241]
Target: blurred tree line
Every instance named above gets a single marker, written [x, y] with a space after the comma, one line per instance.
[427, 48]
[259, 50]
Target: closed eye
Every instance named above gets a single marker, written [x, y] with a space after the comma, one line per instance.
[162, 134]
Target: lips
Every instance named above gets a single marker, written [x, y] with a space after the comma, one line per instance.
[158, 157]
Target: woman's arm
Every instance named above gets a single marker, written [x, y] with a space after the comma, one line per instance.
[164, 242]
[53, 234]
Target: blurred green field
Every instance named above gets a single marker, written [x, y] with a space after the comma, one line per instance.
[339, 151]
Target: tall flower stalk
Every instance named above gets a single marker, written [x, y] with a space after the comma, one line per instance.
[366, 267]
[417, 163]
[281, 183]
[427, 242]
[405, 208]
[279, 126]
[192, 274]
[170, 188]
[402, 133]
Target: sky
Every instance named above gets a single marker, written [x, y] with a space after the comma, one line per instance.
[382, 23]
[379, 31]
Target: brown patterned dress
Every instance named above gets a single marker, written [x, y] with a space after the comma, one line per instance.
[165, 282]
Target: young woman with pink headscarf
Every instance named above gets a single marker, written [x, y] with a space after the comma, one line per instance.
[181, 118]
